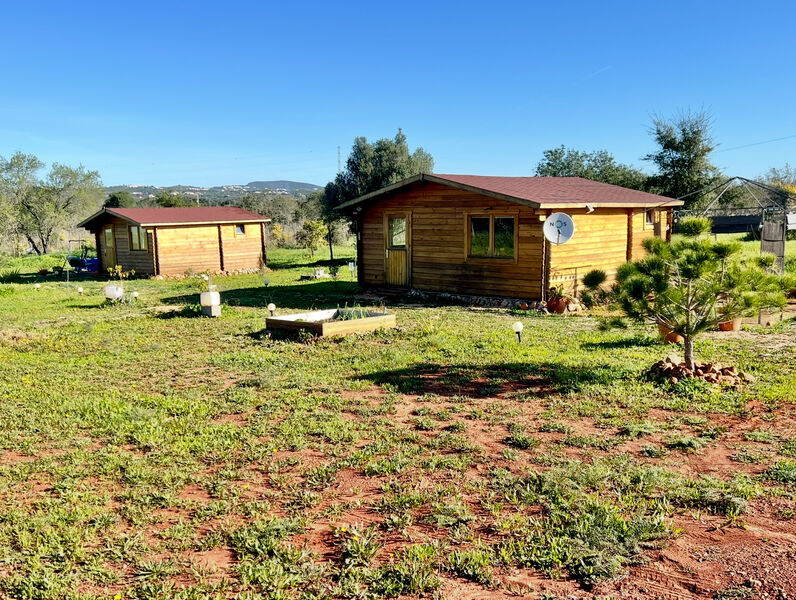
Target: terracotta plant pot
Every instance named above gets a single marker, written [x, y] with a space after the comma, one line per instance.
[558, 305]
[670, 336]
[731, 325]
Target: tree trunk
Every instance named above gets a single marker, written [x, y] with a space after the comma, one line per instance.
[33, 245]
[688, 345]
[331, 249]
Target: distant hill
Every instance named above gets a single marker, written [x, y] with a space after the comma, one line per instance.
[223, 192]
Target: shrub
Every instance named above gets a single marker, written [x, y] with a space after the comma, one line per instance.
[692, 285]
[694, 226]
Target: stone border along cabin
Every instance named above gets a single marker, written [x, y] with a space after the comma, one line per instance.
[470, 234]
[171, 241]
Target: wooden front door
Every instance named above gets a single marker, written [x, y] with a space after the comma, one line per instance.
[397, 247]
[108, 248]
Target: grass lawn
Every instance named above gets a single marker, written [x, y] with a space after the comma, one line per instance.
[149, 453]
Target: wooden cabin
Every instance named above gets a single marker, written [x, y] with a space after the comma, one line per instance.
[171, 241]
[470, 234]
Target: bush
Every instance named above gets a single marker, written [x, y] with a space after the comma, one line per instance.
[595, 295]
[594, 278]
[694, 226]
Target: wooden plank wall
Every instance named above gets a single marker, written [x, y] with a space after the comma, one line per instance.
[185, 248]
[438, 262]
[142, 262]
[642, 231]
[242, 252]
[599, 242]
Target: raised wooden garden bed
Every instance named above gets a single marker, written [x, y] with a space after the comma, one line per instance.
[334, 321]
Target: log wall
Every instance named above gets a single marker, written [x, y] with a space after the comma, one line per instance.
[242, 252]
[438, 253]
[604, 239]
[188, 248]
[141, 261]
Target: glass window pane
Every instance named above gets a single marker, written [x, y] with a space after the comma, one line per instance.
[143, 238]
[397, 231]
[504, 236]
[240, 229]
[134, 239]
[109, 238]
[479, 236]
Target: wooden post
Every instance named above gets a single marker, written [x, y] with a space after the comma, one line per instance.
[547, 262]
[262, 240]
[669, 224]
[155, 250]
[629, 252]
[100, 259]
[360, 263]
[220, 249]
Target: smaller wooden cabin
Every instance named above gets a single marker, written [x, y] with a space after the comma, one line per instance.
[479, 235]
[171, 241]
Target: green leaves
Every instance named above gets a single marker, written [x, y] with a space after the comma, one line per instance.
[693, 284]
[694, 226]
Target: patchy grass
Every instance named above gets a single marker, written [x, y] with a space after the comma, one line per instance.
[148, 452]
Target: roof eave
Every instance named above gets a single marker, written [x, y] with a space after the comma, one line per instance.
[219, 222]
[110, 211]
[351, 204]
[553, 205]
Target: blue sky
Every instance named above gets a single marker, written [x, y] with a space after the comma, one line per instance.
[215, 93]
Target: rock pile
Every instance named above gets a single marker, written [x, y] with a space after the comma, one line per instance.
[671, 372]
[189, 275]
[468, 300]
[573, 305]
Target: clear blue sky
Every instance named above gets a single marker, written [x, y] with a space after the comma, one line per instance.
[215, 93]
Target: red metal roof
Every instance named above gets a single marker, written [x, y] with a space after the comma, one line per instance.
[539, 192]
[180, 215]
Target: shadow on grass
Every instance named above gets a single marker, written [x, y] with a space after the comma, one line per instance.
[341, 263]
[534, 379]
[636, 341]
[320, 294]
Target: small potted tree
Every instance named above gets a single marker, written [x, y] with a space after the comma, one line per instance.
[689, 286]
[557, 301]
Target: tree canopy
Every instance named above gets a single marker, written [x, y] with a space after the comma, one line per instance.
[120, 199]
[168, 199]
[685, 143]
[372, 166]
[38, 208]
[599, 165]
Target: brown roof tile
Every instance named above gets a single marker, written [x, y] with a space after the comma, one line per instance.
[540, 192]
[180, 215]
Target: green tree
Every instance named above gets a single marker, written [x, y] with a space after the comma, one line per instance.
[597, 166]
[685, 143]
[370, 167]
[40, 208]
[168, 199]
[690, 285]
[311, 236]
[120, 199]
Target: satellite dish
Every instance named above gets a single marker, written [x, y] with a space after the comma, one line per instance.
[559, 228]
